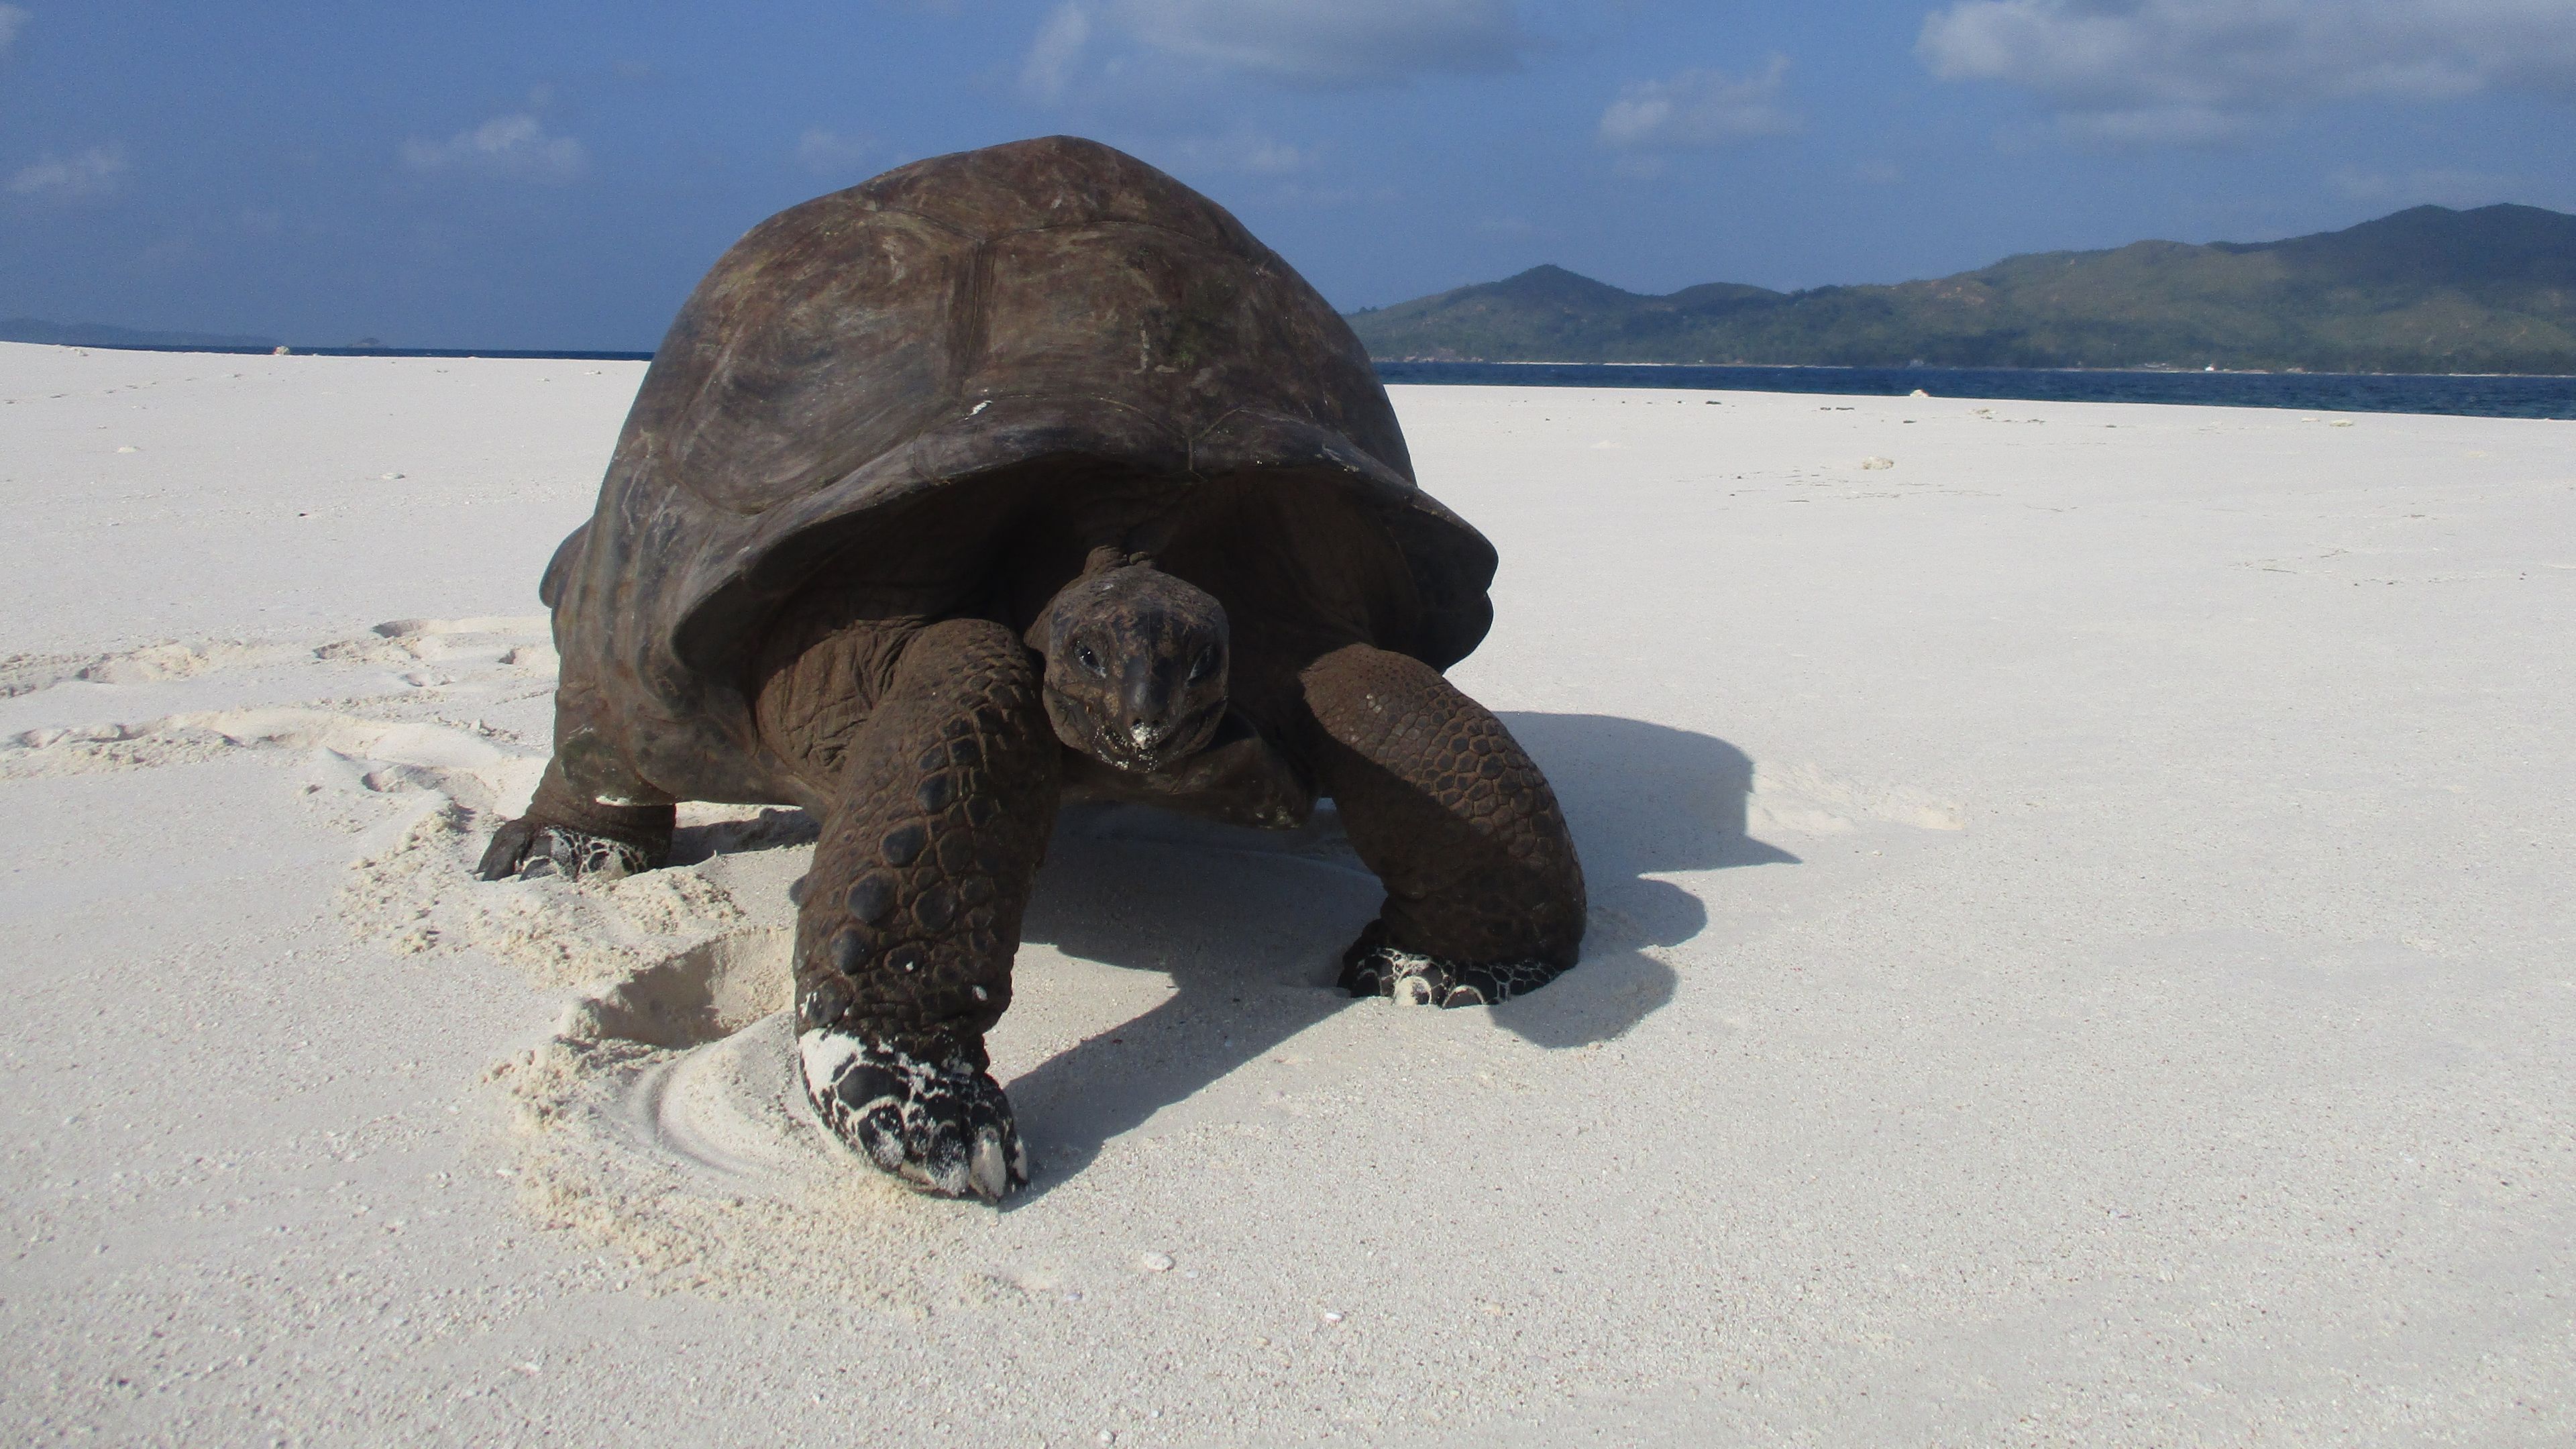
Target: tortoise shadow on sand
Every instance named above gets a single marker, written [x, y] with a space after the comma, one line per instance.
[1249, 924]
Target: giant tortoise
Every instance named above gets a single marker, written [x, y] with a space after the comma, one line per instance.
[1012, 477]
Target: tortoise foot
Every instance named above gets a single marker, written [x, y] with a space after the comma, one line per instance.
[1373, 967]
[942, 1128]
[527, 850]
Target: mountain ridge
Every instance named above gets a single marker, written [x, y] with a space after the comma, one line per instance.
[2427, 289]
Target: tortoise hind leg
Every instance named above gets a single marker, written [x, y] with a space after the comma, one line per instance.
[911, 913]
[1484, 895]
[566, 832]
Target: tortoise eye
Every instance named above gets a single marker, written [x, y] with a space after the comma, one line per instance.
[1203, 666]
[1083, 656]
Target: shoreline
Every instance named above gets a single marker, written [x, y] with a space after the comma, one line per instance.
[610, 355]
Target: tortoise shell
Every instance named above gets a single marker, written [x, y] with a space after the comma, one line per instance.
[1049, 310]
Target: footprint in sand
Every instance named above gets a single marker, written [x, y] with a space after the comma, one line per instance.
[30, 673]
[416, 773]
[665, 1119]
[520, 642]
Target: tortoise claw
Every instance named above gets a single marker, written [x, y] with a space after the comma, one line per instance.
[509, 847]
[943, 1128]
[1373, 967]
[526, 849]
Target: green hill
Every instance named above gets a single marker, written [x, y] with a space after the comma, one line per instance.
[2425, 290]
[99, 334]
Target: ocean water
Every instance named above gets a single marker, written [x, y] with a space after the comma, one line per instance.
[2465, 395]
[2476, 396]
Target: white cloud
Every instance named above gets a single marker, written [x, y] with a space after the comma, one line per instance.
[1698, 110]
[2204, 70]
[1056, 53]
[832, 154]
[1335, 43]
[94, 172]
[512, 147]
[1310, 44]
[13, 18]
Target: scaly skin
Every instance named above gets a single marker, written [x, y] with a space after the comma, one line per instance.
[912, 909]
[1484, 895]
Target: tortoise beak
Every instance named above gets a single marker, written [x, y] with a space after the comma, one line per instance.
[1145, 709]
[1144, 746]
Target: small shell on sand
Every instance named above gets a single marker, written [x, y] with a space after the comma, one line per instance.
[1156, 1262]
[1872, 463]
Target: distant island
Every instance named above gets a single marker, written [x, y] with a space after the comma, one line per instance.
[2425, 290]
[99, 334]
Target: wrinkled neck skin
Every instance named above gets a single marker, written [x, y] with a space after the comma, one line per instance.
[1135, 665]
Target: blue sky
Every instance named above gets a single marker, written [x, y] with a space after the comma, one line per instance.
[540, 174]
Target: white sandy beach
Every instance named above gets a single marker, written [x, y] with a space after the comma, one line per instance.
[2081, 954]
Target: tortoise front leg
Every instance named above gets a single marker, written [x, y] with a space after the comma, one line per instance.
[565, 832]
[911, 913]
[1484, 896]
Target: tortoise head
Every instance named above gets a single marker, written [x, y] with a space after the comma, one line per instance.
[1135, 666]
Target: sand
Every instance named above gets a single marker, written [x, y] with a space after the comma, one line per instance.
[2080, 954]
